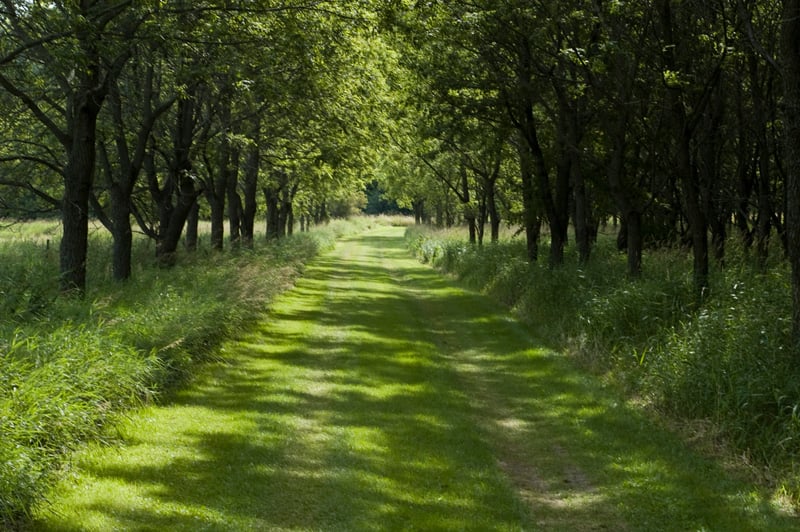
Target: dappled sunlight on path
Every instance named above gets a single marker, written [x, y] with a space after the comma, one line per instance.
[376, 395]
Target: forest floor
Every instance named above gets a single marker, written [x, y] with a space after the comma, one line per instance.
[378, 395]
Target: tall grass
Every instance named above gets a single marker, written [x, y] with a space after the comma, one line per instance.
[725, 363]
[70, 367]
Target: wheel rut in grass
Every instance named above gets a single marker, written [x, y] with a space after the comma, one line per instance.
[376, 395]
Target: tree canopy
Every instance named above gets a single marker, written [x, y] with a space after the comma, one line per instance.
[676, 118]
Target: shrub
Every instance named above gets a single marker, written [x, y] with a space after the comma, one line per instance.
[731, 363]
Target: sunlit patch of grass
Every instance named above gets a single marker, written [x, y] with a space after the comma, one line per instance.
[37, 231]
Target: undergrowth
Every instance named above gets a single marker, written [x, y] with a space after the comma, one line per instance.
[725, 362]
[70, 367]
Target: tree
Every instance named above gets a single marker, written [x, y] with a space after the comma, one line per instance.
[133, 100]
[82, 48]
[687, 102]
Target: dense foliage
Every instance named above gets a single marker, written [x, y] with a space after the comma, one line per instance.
[674, 118]
[161, 113]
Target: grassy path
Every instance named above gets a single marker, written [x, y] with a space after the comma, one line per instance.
[378, 396]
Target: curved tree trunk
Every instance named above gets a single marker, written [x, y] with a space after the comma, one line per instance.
[187, 198]
[180, 186]
[555, 206]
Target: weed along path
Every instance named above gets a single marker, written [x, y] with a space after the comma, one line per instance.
[379, 396]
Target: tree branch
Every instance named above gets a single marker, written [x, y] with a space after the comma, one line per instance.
[60, 135]
[29, 187]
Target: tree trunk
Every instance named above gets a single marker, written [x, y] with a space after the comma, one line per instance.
[745, 172]
[695, 214]
[531, 219]
[74, 240]
[122, 232]
[235, 209]
[271, 199]
[469, 213]
[251, 169]
[290, 220]
[216, 201]
[186, 201]
[765, 211]
[491, 206]
[582, 233]
[763, 180]
[633, 226]
[790, 55]
[683, 127]
[439, 215]
[215, 194]
[418, 206]
[719, 235]
[285, 213]
[321, 213]
[554, 207]
[570, 180]
[711, 192]
[131, 158]
[481, 222]
[559, 211]
[180, 186]
[744, 189]
[118, 222]
[78, 178]
[192, 221]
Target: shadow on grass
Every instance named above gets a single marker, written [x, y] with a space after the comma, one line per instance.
[378, 396]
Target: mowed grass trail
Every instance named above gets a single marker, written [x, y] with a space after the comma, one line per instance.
[377, 395]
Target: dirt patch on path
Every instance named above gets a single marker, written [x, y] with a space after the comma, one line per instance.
[558, 492]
